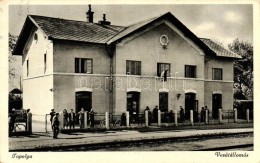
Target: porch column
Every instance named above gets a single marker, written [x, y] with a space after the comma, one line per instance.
[159, 118]
[85, 120]
[191, 117]
[220, 115]
[206, 116]
[176, 117]
[247, 115]
[127, 119]
[107, 120]
[235, 115]
[146, 119]
[29, 123]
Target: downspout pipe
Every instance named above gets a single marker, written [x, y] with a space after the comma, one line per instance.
[110, 51]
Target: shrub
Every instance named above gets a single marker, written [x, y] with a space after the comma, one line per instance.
[242, 106]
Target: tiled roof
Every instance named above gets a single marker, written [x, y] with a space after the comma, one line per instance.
[219, 49]
[56, 28]
[130, 29]
[76, 30]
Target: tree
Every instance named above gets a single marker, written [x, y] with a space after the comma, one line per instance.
[243, 68]
[15, 101]
[11, 59]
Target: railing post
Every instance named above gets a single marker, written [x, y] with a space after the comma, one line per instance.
[159, 118]
[85, 120]
[191, 117]
[146, 119]
[127, 119]
[247, 115]
[235, 115]
[206, 116]
[61, 120]
[220, 115]
[107, 120]
[176, 117]
[45, 122]
[29, 122]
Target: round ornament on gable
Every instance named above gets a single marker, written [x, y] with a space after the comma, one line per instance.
[164, 40]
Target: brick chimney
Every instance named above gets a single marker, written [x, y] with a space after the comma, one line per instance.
[90, 15]
[104, 22]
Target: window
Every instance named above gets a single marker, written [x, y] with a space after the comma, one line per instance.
[27, 66]
[217, 74]
[162, 67]
[35, 37]
[45, 62]
[133, 67]
[83, 65]
[190, 71]
[163, 101]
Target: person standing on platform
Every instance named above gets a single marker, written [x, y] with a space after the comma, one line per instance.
[123, 120]
[65, 119]
[72, 117]
[81, 118]
[52, 113]
[155, 114]
[181, 114]
[149, 117]
[11, 120]
[202, 115]
[55, 125]
[92, 118]
[171, 116]
[206, 109]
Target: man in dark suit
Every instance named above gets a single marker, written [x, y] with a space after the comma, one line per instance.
[182, 114]
[55, 125]
[52, 113]
[72, 118]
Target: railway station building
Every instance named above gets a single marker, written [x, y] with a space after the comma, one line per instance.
[70, 64]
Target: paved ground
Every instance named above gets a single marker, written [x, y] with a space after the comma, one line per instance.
[45, 140]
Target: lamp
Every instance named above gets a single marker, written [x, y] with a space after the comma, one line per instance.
[178, 95]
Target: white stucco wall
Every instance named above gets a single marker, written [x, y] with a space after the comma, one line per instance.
[36, 86]
[66, 81]
[37, 96]
[35, 54]
[146, 47]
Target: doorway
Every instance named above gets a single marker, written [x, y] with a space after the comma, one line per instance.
[163, 101]
[191, 104]
[133, 102]
[216, 104]
[83, 100]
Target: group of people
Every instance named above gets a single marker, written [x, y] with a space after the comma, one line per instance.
[152, 116]
[69, 120]
[91, 118]
[167, 116]
[149, 114]
[203, 114]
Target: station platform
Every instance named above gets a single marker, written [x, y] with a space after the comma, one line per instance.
[42, 140]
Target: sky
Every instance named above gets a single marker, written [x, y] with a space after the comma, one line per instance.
[223, 23]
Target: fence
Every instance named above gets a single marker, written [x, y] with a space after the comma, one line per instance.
[20, 121]
[110, 121]
[228, 116]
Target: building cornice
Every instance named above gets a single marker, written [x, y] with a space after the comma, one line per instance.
[130, 76]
